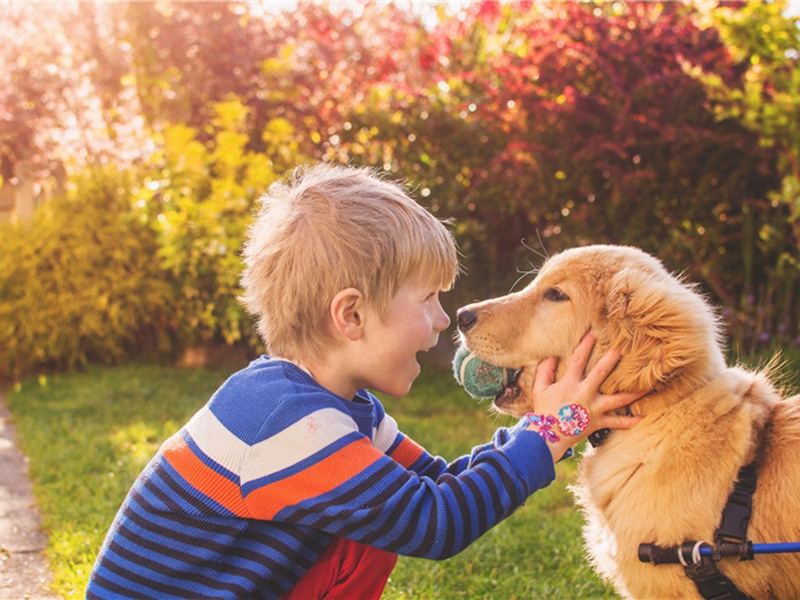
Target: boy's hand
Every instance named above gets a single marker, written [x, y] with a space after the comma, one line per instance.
[588, 409]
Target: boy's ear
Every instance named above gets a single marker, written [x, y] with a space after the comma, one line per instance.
[347, 313]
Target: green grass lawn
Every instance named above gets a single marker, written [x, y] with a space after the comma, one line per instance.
[89, 434]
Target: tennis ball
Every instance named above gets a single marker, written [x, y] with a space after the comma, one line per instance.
[479, 378]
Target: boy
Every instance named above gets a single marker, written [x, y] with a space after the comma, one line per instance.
[292, 481]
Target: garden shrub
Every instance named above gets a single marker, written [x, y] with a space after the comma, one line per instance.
[80, 282]
[199, 193]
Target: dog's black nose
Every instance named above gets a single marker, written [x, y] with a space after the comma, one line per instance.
[466, 319]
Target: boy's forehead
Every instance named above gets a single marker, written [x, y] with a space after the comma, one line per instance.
[425, 279]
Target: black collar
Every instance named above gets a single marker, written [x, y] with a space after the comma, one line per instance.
[601, 435]
[598, 437]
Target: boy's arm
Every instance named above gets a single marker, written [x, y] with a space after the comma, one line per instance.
[411, 455]
[352, 489]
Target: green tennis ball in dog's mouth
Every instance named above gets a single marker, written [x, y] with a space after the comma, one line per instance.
[479, 378]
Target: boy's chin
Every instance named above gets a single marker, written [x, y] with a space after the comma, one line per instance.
[397, 389]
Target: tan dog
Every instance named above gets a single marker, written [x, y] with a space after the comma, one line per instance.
[666, 480]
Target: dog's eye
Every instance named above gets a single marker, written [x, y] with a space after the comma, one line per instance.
[555, 295]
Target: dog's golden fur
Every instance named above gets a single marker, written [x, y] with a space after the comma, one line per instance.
[666, 480]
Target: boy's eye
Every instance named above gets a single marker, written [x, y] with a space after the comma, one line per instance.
[555, 295]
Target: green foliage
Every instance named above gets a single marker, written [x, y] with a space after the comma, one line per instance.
[574, 123]
[79, 282]
[765, 44]
[198, 196]
[664, 125]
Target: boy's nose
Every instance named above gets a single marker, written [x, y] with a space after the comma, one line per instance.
[443, 320]
[466, 319]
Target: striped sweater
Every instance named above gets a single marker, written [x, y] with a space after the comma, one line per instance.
[246, 496]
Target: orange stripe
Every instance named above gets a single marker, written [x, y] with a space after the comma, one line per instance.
[318, 479]
[202, 477]
[407, 452]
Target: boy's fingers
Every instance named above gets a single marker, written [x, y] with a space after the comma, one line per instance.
[603, 368]
[545, 375]
[614, 401]
[580, 356]
[618, 422]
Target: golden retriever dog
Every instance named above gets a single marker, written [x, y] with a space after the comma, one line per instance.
[666, 480]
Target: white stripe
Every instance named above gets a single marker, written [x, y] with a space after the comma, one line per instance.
[463, 369]
[297, 442]
[385, 435]
[214, 439]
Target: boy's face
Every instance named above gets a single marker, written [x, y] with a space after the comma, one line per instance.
[412, 325]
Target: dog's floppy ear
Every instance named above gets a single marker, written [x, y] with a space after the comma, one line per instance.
[660, 326]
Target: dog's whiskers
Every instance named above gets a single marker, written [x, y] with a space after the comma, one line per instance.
[534, 270]
[523, 274]
[544, 256]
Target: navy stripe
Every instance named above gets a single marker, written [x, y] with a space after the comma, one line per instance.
[178, 515]
[301, 538]
[430, 535]
[161, 568]
[479, 502]
[192, 559]
[450, 534]
[414, 522]
[370, 483]
[508, 485]
[317, 542]
[377, 506]
[497, 504]
[151, 486]
[392, 519]
[173, 591]
[463, 505]
[116, 589]
[387, 493]
[248, 534]
[349, 497]
[237, 570]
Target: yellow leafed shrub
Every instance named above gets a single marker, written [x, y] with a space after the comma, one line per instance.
[81, 281]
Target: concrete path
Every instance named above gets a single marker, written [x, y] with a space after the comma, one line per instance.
[24, 572]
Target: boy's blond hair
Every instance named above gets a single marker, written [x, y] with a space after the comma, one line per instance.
[327, 228]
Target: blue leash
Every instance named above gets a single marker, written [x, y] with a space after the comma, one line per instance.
[776, 548]
[691, 552]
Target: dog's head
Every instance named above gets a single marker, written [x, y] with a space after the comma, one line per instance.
[667, 334]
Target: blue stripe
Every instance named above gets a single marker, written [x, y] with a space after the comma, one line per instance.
[454, 495]
[176, 573]
[199, 548]
[478, 501]
[408, 540]
[131, 579]
[284, 539]
[101, 588]
[513, 496]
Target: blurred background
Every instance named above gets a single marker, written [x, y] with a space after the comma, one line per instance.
[135, 138]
